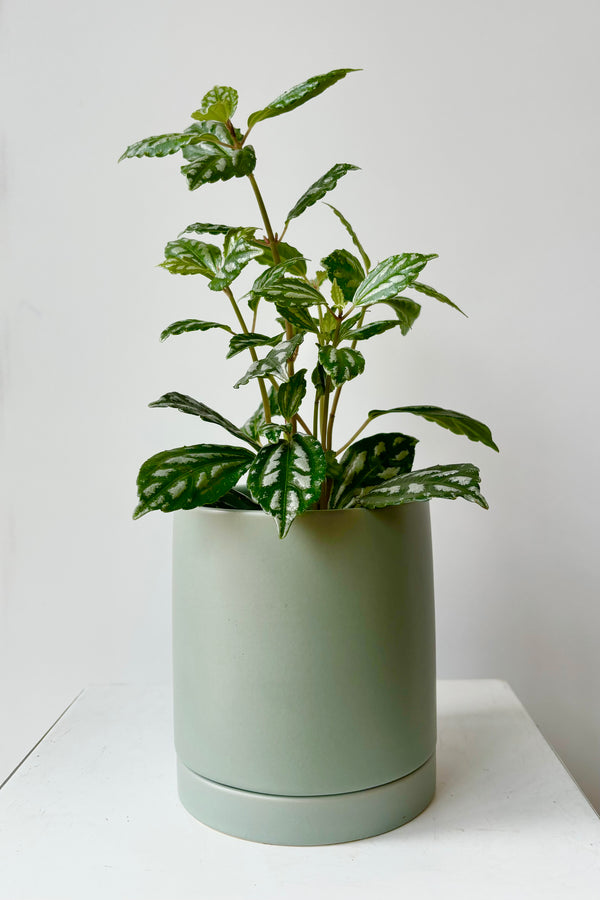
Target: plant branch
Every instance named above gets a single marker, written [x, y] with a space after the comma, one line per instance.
[354, 436]
[261, 382]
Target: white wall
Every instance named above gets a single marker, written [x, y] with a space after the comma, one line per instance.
[476, 126]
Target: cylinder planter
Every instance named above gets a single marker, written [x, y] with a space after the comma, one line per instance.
[304, 672]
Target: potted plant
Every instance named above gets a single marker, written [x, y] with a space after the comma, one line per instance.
[304, 668]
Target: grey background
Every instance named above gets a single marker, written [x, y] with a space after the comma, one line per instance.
[476, 128]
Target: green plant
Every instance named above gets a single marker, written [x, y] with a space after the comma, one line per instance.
[292, 465]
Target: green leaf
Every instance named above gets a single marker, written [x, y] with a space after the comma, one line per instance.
[210, 162]
[235, 499]
[329, 325]
[337, 295]
[287, 253]
[447, 482]
[186, 477]
[187, 256]
[286, 478]
[270, 277]
[316, 191]
[175, 400]
[273, 362]
[456, 422]
[160, 145]
[299, 316]
[185, 325]
[406, 310]
[238, 251]
[291, 394]
[370, 330]
[370, 463]
[298, 95]
[206, 228]
[431, 292]
[273, 431]
[218, 105]
[348, 324]
[253, 425]
[290, 291]
[318, 378]
[241, 342]
[343, 267]
[390, 277]
[341, 363]
[352, 234]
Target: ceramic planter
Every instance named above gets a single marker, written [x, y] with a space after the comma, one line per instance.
[304, 672]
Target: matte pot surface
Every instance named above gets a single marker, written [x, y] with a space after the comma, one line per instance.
[304, 671]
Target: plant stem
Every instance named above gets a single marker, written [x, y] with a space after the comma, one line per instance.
[355, 435]
[299, 419]
[265, 217]
[261, 382]
[289, 328]
[336, 398]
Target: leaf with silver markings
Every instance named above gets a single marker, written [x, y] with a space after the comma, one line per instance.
[175, 400]
[445, 482]
[341, 363]
[187, 477]
[316, 191]
[273, 362]
[370, 463]
[286, 478]
[185, 325]
[390, 277]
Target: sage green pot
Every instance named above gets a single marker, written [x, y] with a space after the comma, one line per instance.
[304, 672]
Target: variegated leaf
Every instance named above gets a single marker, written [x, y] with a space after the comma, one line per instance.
[253, 425]
[370, 330]
[456, 422]
[206, 228]
[292, 292]
[175, 400]
[235, 499]
[291, 394]
[390, 277]
[447, 482]
[237, 253]
[298, 95]
[369, 463]
[210, 162]
[274, 430]
[218, 105]
[240, 342]
[349, 324]
[431, 292]
[316, 191]
[185, 325]
[186, 477]
[271, 276]
[299, 317]
[341, 363]
[351, 232]
[297, 263]
[406, 310]
[346, 269]
[286, 478]
[273, 362]
[187, 256]
[159, 145]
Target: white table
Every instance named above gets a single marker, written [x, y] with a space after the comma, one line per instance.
[92, 813]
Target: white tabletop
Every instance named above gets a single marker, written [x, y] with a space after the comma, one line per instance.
[93, 813]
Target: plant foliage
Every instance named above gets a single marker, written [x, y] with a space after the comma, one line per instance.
[290, 460]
